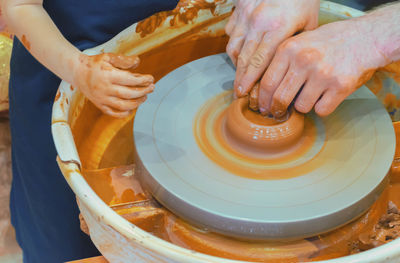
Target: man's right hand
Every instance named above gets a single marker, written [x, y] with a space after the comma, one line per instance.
[105, 80]
[256, 29]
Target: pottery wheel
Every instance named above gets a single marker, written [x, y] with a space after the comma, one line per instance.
[352, 155]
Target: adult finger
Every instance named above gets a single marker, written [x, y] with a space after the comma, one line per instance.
[329, 101]
[126, 78]
[235, 43]
[271, 80]
[260, 60]
[124, 105]
[250, 46]
[312, 23]
[239, 32]
[313, 18]
[287, 90]
[309, 95]
[114, 113]
[231, 23]
[253, 97]
[127, 93]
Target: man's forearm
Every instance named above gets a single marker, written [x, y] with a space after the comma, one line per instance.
[32, 25]
[383, 25]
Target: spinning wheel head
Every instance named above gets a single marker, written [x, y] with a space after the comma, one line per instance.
[333, 174]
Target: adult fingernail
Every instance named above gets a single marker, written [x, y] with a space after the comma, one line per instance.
[240, 89]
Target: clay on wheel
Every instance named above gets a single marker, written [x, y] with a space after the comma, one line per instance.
[247, 127]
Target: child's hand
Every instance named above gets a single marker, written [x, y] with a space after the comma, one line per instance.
[105, 80]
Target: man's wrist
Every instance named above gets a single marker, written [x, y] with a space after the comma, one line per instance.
[382, 28]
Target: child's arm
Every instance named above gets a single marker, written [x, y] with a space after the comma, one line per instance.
[113, 90]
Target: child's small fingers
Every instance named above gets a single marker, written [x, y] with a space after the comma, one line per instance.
[124, 105]
[128, 93]
[126, 78]
[114, 113]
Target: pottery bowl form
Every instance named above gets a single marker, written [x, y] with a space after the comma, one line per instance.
[273, 137]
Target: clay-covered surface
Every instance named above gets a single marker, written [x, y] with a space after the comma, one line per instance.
[377, 227]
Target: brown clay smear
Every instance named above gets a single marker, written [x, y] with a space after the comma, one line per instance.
[191, 9]
[115, 185]
[124, 62]
[184, 235]
[25, 42]
[146, 214]
[376, 83]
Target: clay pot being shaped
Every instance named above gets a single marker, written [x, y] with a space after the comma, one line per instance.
[250, 129]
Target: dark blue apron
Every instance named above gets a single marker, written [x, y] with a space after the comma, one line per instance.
[43, 208]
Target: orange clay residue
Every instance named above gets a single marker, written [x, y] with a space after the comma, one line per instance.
[376, 82]
[391, 101]
[182, 234]
[146, 214]
[188, 50]
[25, 42]
[58, 95]
[210, 135]
[396, 163]
[393, 70]
[367, 75]
[178, 16]
[124, 62]
[99, 259]
[115, 185]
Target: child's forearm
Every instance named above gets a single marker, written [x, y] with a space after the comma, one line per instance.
[103, 79]
[32, 25]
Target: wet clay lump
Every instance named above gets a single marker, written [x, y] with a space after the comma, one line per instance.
[251, 130]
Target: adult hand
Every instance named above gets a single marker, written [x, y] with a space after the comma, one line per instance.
[105, 80]
[257, 27]
[322, 67]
